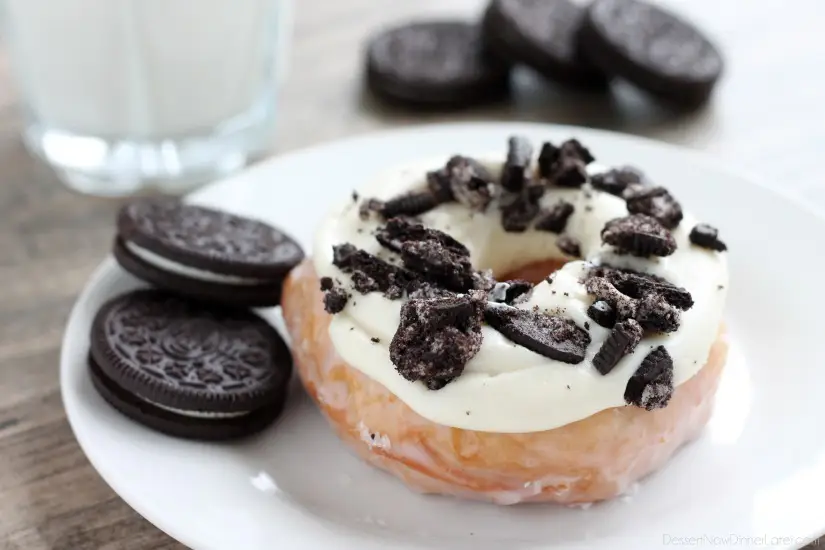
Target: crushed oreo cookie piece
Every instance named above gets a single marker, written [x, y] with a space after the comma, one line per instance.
[438, 182]
[548, 335]
[436, 338]
[554, 219]
[439, 262]
[423, 290]
[483, 280]
[623, 339]
[639, 235]
[471, 183]
[518, 210]
[624, 306]
[636, 285]
[616, 180]
[651, 386]
[335, 300]
[363, 283]
[574, 149]
[707, 236]
[655, 314]
[409, 204]
[602, 313]
[508, 292]
[397, 231]
[463, 179]
[548, 157]
[656, 202]
[564, 166]
[369, 207]
[326, 283]
[476, 194]
[569, 172]
[514, 174]
[569, 245]
[371, 273]
[430, 252]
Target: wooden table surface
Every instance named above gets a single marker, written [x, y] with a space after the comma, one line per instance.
[768, 118]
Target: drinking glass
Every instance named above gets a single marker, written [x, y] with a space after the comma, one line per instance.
[121, 95]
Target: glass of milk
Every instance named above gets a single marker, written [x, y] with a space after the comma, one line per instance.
[125, 95]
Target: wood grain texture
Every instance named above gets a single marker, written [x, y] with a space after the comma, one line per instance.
[767, 118]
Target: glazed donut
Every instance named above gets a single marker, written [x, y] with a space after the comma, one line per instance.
[530, 329]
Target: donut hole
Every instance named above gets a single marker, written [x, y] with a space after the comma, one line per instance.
[535, 272]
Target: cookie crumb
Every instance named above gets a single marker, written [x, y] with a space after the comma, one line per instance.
[335, 300]
[374, 340]
[554, 219]
[569, 246]
[707, 236]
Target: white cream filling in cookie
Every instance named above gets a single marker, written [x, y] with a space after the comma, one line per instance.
[195, 414]
[177, 268]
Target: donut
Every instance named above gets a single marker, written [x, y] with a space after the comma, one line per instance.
[521, 326]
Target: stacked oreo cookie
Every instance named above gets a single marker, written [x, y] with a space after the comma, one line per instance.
[459, 63]
[187, 358]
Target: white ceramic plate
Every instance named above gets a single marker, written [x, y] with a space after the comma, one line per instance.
[755, 478]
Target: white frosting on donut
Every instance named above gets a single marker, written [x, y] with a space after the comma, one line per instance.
[177, 268]
[506, 387]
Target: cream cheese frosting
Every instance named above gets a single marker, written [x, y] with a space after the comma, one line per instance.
[505, 387]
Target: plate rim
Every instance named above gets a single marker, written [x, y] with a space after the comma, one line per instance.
[360, 140]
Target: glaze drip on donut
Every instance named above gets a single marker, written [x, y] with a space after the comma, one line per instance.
[643, 276]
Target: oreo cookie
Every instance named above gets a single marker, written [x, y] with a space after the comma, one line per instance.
[602, 313]
[436, 338]
[413, 203]
[616, 180]
[656, 202]
[465, 180]
[516, 170]
[187, 368]
[508, 292]
[651, 386]
[707, 236]
[431, 254]
[548, 335]
[652, 48]
[204, 253]
[554, 219]
[370, 273]
[435, 64]
[569, 245]
[542, 35]
[655, 314]
[566, 165]
[639, 235]
[636, 285]
[622, 340]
